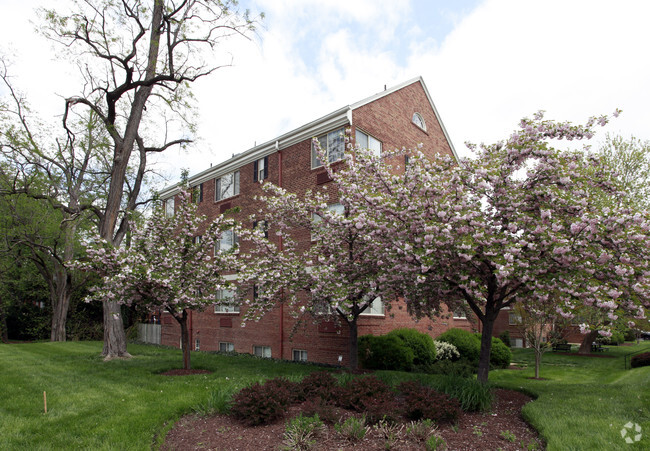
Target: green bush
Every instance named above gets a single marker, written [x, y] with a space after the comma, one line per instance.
[424, 351]
[505, 337]
[466, 342]
[385, 352]
[629, 335]
[500, 355]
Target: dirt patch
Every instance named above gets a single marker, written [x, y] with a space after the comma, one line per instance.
[502, 428]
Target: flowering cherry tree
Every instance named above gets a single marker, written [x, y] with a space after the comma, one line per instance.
[334, 276]
[169, 265]
[520, 222]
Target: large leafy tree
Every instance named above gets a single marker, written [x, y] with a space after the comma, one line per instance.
[335, 277]
[630, 161]
[170, 265]
[520, 222]
[137, 62]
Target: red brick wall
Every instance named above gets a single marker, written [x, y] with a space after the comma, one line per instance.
[388, 119]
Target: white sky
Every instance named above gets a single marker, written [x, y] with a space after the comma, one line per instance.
[486, 64]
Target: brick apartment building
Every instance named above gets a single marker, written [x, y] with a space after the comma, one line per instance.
[402, 116]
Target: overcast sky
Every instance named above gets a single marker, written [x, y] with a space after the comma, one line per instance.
[486, 64]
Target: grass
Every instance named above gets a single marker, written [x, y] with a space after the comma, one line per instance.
[127, 404]
[584, 401]
[122, 404]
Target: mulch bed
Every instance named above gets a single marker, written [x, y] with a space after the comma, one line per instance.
[502, 428]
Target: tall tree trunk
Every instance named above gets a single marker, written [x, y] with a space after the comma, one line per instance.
[62, 293]
[538, 361]
[114, 335]
[585, 346]
[4, 331]
[354, 345]
[486, 348]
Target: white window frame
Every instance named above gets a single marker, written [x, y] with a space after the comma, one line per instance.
[229, 239]
[226, 346]
[366, 141]
[516, 342]
[376, 308]
[260, 169]
[231, 182]
[197, 344]
[418, 120]
[227, 307]
[333, 143]
[514, 319]
[169, 207]
[299, 355]
[262, 351]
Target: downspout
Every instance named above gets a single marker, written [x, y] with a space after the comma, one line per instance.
[277, 147]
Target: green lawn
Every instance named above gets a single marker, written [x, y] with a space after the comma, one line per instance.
[585, 401]
[108, 405]
[127, 405]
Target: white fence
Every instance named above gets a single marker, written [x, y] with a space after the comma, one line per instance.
[149, 333]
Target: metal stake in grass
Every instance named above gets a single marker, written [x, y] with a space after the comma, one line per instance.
[45, 401]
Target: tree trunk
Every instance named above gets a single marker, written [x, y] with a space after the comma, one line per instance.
[354, 345]
[486, 348]
[185, 340]
[585, 346]
[538, 361]
[114, 336]
[4, 331]
[61, 303]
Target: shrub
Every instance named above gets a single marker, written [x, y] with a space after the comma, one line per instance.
[446, 351]
[263, 403]
[435, 443]
[640, 360]
[500, 355]
[385, 352]
[319, 384]
[424, 402]
[359, 392]
[466, 343]
[424, 351]
[629, 335]
[325, 409]
[505, 337]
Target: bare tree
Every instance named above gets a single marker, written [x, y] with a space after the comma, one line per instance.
[137, 60]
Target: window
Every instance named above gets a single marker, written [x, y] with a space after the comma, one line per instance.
[229, 241]
[516, 343]
[197, 344]
[262, 351]
[226, 303]
[315, 219]
[459, 313]
[261, 169]
[197, 239]
[225, 346]
[262, 226]
[169, 207]
[419, 121]
[226, 186]
[376, 307]
[299, 355]
[368, 142]
[514, 318]
[333, 143]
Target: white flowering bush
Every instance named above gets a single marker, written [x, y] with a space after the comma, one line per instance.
[446, 351]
